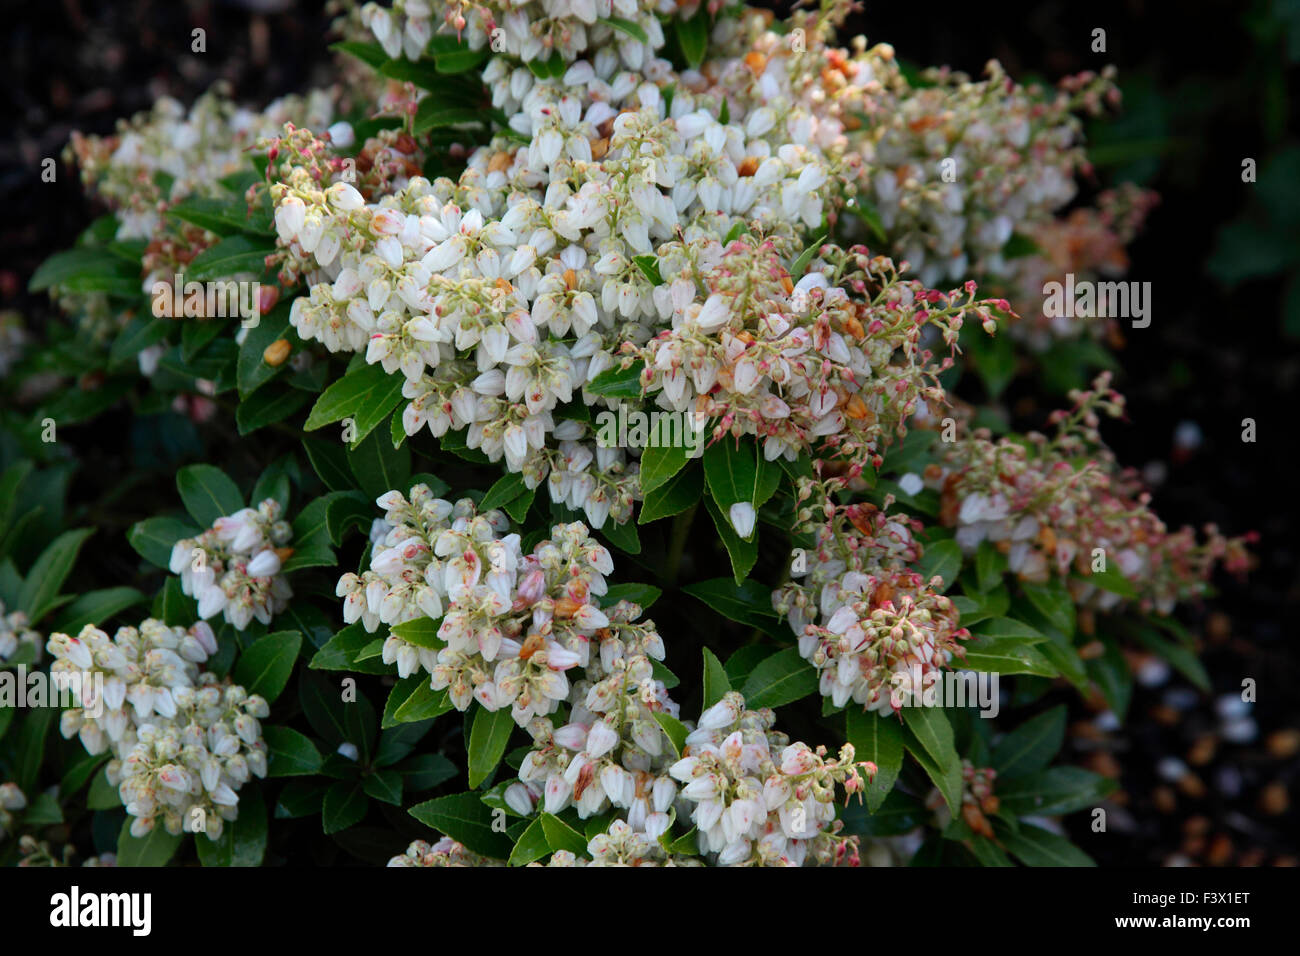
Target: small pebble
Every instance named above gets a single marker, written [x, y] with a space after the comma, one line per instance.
[1284, 743]
[1202, 751]
[1153, 672]
[1274, 799]
[1171, 768]
[1231, 705]
[1181, 698]
[1241, 731]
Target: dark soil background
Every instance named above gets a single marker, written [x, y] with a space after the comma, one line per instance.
[1206, 85]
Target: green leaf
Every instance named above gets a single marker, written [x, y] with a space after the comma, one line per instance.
[289, 753]
[716, 683]
[330, 462]
[155, 848]
[618, 382]
[1054, 791]
[80, 269]
[642, 595]
[345, 805]
[780, 679]
[264, 667]
[422, 631]
[466, 819]
[674, 496]
[230, 257]
[507, 489]
[251, 371]
[47, 574]
[743, 554]
[95, 607]
[880, 740]
[488, 737]
[268, 406]
[561, 836]
[243, 840]
[1111, 673]
[1031, 746]
[1034, 846]
[738, 472]
[422, 703]
[358, 395]
[928, 737]
[748, 603]
[103, 795]
[1054, 602]
[429, 115]
[627, 26]
[221, 216]
[693, 36]
[426, 771]
[675, 730]
[800, 267]
[1007, 657]
[659, 464]
[1186, 662]
[380, 467]
[649, 266]
[1009, 629]
[943, 558]
[384, 785]
[531, 846]
[208, 494]
[371, 54]
[990, 564]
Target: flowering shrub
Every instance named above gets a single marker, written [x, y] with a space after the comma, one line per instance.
[421, 578]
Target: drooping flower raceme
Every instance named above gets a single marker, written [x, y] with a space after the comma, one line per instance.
[233, 568]
[759, 799]
[1061, 508]
[877, 631]
[512, 624]
[183, 742]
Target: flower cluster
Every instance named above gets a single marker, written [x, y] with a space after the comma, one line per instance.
[612, 752]
[512, 623]
[1062, 507]
[885, 631]
[182, 742]
[960, 166]
[16, 637]
[446, 852]
[646, 219]
[527, 30]
[760, 800]
[158, 158]
[233, 568]
[1086, 243]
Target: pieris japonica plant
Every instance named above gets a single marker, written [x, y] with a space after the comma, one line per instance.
[552, 444]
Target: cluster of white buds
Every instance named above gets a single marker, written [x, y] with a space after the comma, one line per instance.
[1061, 507]
[165, 155]
[527, 30]
[959, 165]
[512, 623]
[12, 799]
[612, 752]
[760, 800]
[884, 630]
[182, 742]
[821, 362]
[446, 852]
[15, 636]
[233, 568]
